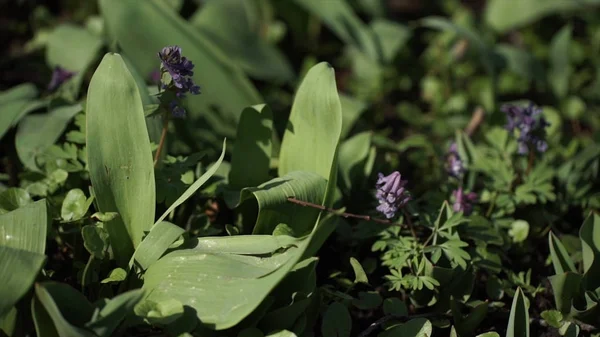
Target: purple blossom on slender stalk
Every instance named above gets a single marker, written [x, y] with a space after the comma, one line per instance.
[391, 194]
[463, 202]
[59, 76]
[454, 165]
[531, 125]
[179, 81]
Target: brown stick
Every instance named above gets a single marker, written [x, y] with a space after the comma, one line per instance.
[343, 214]
[476, 120]
[163, 136]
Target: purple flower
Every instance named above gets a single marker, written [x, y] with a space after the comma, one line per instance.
[391, 194]
[531, 126]
[59, 76]
[180, 70]
[454, 165]
[463, 202]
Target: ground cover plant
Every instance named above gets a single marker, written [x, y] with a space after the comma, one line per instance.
[303, 168]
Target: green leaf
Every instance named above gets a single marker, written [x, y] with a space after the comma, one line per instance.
[560, 66]
[390, 36]
[519, 230]
[553, 318]
[565, 287]
[13, 198]
[521, 62]
[116, 275]
[18, 270]
[36, 133]
[252, 151]
[489, 334]
[224, 85]
[352, 109]
[121, 166]
[25, 228]
[394, 306]
[44, 326]
[359, 273]
[95, 240]
[518, 322]
[504, 15]
[418, 327]
[313, 131]
[274, 207]
[75, 205]
[225, 278]
[336, 321]
[73, 48]
[353, 155]
[68, 309]
[109, 317]
[367, 300]
[560, 257]
[195, 186]
[589, 233]
[162, 313]
[156, 243]
[245, 41]
[341, 19]
[104, 217]
[15, 103]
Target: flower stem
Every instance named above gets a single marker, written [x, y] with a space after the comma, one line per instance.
[409, 222]
[163, 136]
[342, 214]
[530, 162]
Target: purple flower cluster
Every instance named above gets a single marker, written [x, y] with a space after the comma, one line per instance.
[454, 165]
[180, 71]
[59, 76]
[391, 194]
[531, 126]
[463, 202]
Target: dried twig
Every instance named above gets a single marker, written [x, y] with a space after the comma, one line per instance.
[476, 120]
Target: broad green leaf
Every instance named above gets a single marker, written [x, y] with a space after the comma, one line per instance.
[162, 313]
[195, 186]
[95, 240]
[590, 242]
[390, 37]
[219, 279]
[489, 334]
[359, 273]
[518, 322]
[73, 48]
[552, 317]
[286, 316]
[504, 15]
[25, 228]
[315, 124]
[68, 308]
[336, 321]
[352, 108]
[75, 205]
[143, 29]
[156, 243]
[560, 66]
[565, 287]
[394, 306]
[13, 198]
[14, 103]
[418, 327]
[274, 207]
[352, 158]
[44, 327]
[252, 151]
[341, 19]
[18, 270]
[243, 41]
[121, 166]
[36, 133]
[560, 257]
[105, 321]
